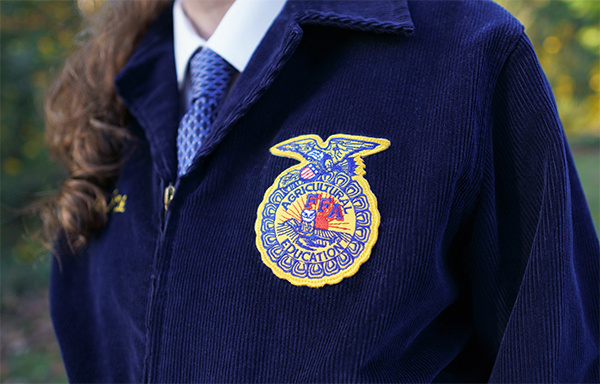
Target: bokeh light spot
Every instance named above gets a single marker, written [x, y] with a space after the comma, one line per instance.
[595, 82]
[552, 44]
[45, 45]
[31, 149]
[11, 165]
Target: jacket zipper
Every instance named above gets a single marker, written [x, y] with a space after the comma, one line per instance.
[154, 313]
[167, 198]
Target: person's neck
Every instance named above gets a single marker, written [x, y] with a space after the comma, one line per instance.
[206, 15]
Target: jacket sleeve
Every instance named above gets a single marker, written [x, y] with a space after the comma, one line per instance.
[533, 256]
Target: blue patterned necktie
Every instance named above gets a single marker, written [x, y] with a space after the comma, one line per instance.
[211, 76]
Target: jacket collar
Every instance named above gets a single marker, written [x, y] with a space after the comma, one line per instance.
[372, 15]
[147, 84]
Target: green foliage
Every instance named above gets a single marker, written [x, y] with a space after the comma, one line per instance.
[35, 37]
[566, 36]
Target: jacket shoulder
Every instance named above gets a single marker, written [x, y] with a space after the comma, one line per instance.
[465, 16]
[466, 22]
[477, 35]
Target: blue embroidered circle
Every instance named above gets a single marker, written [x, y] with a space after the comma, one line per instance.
[318, 221]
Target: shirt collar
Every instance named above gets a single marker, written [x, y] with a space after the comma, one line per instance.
[235, 39]
[147, 84]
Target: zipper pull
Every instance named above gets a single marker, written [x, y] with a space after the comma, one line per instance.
[169, 193]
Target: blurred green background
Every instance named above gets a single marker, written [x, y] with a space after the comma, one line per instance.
[35, 38]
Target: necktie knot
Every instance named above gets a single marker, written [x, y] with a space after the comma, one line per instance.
[211, 77]
[210, 74]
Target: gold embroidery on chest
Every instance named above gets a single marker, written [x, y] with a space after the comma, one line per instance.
[116, 203]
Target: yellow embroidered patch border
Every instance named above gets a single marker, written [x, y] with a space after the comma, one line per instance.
[319, 221]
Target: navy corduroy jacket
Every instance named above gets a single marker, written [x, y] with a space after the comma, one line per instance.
[486, 260]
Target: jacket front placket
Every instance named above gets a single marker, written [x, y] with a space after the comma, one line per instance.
[148, 87]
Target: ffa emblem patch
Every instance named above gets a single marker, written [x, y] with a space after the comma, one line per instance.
[318, 221]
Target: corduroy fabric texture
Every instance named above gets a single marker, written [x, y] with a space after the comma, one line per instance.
[486, 264]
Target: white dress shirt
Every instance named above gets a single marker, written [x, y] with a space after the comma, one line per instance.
[236, 38]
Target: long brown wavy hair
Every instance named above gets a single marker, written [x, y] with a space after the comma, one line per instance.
[85, 119]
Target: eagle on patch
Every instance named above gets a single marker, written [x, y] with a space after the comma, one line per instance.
[336, 156]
